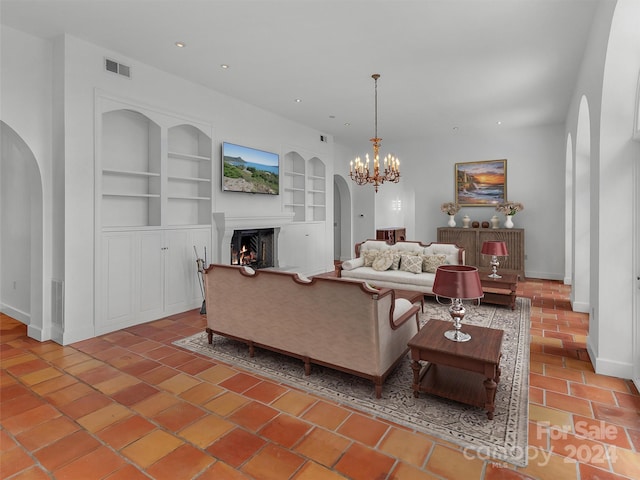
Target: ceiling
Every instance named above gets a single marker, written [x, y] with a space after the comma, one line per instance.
[444, 64]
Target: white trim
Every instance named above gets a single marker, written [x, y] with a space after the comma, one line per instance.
[19, 315]
[612, 368]
[580, 307]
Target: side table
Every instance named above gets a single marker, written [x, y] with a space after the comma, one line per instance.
[499, 291]
[456, 370]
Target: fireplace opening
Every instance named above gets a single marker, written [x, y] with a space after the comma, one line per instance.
[254, 248]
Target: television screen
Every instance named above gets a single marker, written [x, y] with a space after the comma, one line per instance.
[249, 170]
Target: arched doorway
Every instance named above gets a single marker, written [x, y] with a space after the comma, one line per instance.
[342, 248]
[581, 262]
[21, 233]
[568, 209]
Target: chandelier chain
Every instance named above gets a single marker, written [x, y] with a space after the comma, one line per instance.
[360, 172]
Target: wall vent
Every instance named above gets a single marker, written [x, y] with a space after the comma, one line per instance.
[57, 303]
[323, 138]
[115, 67]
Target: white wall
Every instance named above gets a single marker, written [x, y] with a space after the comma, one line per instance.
[535, 177]
[79, 73]
[618, 157]
[26, 93]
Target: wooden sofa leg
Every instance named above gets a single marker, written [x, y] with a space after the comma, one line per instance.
[209, 335]
[307, 366]
[378, 384]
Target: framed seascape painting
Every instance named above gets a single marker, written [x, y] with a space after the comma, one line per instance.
[481, 183]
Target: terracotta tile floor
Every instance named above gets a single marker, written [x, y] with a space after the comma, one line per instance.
[129, 405]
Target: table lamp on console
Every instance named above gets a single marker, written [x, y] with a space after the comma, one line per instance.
[457, 283]
[496, 249]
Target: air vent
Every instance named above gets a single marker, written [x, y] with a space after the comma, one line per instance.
[115, 67]
[323, 138]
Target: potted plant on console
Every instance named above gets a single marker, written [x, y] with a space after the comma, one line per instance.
[450, 208]
[509, 209]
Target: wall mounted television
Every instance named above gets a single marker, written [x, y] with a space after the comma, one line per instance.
[249, 170]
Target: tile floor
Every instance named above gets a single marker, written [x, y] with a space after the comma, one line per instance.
[128, 405]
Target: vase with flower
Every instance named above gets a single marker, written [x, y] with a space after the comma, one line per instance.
[509, 209]
[450, 208]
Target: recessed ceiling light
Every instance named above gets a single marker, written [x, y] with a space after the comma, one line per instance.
[498, 122]
[298, 100]
[347, 124]
[181, 44]
[224, 66]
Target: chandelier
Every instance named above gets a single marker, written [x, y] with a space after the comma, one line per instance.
[359, 170]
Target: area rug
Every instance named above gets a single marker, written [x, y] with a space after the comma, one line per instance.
[504, 438]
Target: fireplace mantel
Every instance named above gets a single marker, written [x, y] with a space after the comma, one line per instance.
[225, 225]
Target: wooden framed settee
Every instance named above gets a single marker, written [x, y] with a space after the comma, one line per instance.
[337, 323]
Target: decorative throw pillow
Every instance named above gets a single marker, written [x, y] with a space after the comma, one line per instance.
[369, 256]
[383, 261]
[395, 264]
[430, 263]
[411, 263]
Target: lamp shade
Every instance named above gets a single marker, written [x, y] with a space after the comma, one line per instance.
[497, 248]
[457, 281]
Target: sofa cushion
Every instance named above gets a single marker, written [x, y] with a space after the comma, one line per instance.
[383, 261]
[411, 263]
[395, 264]
[430, 263]
[390, 278]
[448, 249]
[370, 256]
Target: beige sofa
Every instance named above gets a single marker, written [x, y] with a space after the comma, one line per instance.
[367, 266]
[341, 324]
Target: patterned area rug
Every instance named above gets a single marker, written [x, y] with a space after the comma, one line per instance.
[503, 438]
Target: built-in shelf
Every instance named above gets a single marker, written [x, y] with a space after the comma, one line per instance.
[190, 179]
[187, 156]
[109, 171]
[188, 197]
[132, 195]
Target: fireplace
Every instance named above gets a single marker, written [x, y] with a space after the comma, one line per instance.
[253, 247]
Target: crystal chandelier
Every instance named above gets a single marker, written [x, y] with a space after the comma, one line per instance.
[359, 170]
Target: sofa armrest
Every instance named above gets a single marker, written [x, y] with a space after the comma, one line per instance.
[353, 263]
[402, 311]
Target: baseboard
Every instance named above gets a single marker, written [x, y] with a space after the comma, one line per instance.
[543, 275]
[604, 366]
[38, 333]
[19, 315]
[580, 307]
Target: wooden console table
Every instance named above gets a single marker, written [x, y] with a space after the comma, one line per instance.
[456, 370]
[473, 238]
[391, 235]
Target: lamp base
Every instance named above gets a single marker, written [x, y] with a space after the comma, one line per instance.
[494, 275]
[457, 336]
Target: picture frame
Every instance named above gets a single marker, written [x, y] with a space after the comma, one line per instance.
[481, 184]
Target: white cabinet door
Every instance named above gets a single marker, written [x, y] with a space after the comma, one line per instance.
[149, 274]
[118, 279]
[302, 248]
[182, 283]
[181, 267]
[150, 270]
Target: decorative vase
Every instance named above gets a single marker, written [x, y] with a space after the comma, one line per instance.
[452, 221]
[495, 222]
[508, 222]
[466, 221]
